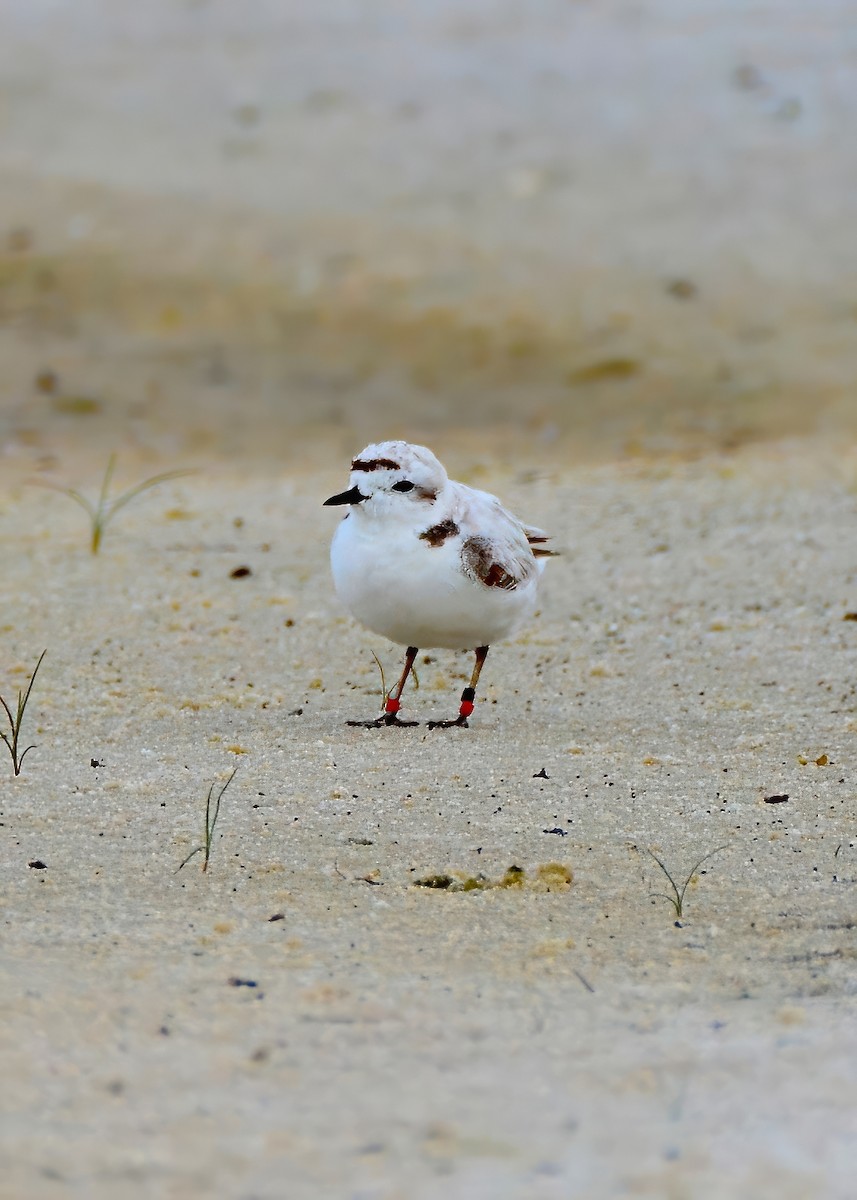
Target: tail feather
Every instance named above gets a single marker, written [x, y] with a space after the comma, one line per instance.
[536, 539]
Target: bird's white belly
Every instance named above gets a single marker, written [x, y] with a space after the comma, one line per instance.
[417, 594]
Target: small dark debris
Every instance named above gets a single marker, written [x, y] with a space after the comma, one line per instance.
[850, 616]
[542, 774]
[359, 841]
[95, 762]
[38, 865]
[240, 573]
[164, 1031]
[247, 115]
[556, 829]
[434, 881]
[296, 712]
[19, 241]
[47, 382]
[776, 799]
[277, 917]
[584, 981]
[235, 981]
[607, 368]
[682, 289]
[748, 78]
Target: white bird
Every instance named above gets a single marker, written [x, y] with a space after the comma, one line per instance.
[429, 562]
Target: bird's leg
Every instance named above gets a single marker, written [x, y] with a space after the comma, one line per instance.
[390, 715]
[467, 696]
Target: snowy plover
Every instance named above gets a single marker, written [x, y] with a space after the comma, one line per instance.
[428, 562]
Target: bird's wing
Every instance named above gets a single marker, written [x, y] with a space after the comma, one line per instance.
[496, 548]
[537, 539]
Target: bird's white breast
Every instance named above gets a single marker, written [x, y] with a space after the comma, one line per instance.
[416, 594]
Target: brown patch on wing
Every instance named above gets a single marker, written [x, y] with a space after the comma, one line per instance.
[478, 560]
[374, 464]
[436, 535]
[499, 577]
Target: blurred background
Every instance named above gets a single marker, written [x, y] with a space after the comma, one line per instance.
[596, 228]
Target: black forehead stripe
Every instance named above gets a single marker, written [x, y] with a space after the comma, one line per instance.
[374, 464]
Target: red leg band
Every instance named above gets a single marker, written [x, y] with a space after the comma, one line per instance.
[465, 708]
[392, 705]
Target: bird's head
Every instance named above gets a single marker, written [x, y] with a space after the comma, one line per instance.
[393, 480]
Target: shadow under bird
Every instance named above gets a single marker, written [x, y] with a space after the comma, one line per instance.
[431, 563]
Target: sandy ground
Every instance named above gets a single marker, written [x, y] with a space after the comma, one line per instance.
[601, 257]
[628, 225]
[303, 1020]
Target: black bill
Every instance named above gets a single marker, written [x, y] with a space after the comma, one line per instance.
[352, 496]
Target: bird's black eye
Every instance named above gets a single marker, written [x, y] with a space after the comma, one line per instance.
[404, 485]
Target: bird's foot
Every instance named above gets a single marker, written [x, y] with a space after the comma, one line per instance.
[385, 719]
[460, 722]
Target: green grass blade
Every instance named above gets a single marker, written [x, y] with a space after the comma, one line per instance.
[704, 858]
[16, 720]
[669, 899]
[663, 867]
[132, 493]
[677, 900]
[209, 825]
[21, 758]
[72, 493]
[189, 857]
[104, 510]
[211, 821]
[105, 483]
[384, 692]
[23, 705]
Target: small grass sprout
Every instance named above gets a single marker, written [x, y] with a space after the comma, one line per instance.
[677, 898]
[12, 738]
[102, 511]
[384, 692]
[211, 815]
